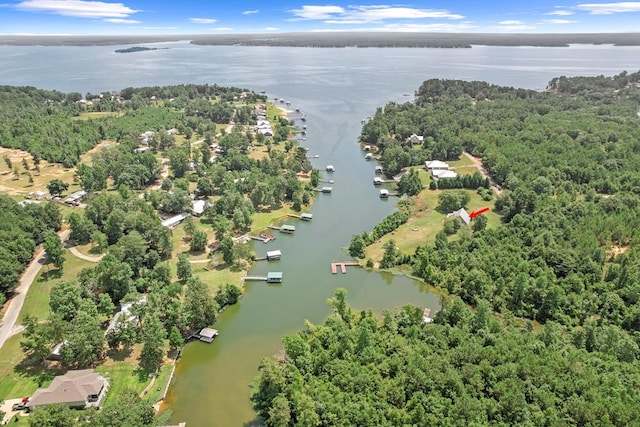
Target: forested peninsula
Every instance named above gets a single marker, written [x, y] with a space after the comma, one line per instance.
[541, 318]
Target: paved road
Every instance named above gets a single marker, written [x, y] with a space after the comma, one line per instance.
[8, 328]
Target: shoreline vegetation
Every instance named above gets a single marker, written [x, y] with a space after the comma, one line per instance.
[539, 322]
[145, 153]
[339, 39]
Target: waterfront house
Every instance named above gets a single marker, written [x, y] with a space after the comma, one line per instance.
[274, 277]
[289, 229]
[75, 389]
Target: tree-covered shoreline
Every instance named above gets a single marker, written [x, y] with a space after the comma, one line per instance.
[553, 336]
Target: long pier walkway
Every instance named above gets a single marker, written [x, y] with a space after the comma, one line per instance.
[343, 266]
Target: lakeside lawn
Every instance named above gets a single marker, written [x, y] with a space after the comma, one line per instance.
[425, 221]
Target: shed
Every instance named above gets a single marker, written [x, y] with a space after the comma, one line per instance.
[174, 220]
[384, 193]
[330, 168]
[306, 216]
[274, 277]
[272, 255]
[288, 228]
[377, 180]
[207, 334]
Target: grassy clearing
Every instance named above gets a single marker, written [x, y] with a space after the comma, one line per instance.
[98, 114]
[36, 302]
[426, 222]
[463, 166]
[48, 171]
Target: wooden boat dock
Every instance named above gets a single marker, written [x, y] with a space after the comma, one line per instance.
[271, 277]
[343, 266]
[205, 335]
[304, 216]
[264, 238]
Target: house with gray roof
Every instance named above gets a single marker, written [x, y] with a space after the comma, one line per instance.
[75, 389]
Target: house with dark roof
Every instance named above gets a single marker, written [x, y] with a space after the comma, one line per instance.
[75, 389]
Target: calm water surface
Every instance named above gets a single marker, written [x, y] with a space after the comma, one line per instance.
[336, 88]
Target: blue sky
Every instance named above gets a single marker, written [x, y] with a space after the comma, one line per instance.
[254, 16]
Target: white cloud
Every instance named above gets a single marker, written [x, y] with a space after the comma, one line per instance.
[121, 21]
[250, 12]
[560, 12]
[510, 23]
[272, 29]
[559, 21]
[610, 8]
[368, 14]
[203, 20]
[317, 12]
[77, 8]
[222, 29]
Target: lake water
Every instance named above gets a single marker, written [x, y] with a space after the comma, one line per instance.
[336, 88]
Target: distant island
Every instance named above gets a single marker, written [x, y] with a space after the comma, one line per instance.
[338, 39]
[138, 49]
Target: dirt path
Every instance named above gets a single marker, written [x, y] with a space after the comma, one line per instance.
[80, 255]
[8, 328]
[477, 162]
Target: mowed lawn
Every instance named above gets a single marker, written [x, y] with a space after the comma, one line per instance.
[426, 221]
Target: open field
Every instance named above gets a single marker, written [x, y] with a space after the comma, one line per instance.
[426, 222]
[48, 171]
[36, 302]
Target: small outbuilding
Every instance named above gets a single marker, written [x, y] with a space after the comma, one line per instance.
[377, 180]
[274, 255]
[384, 193]
[306, 216]
[330, 168]
[274, 277]
[326, 189]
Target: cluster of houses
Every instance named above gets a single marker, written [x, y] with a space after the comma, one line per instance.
[439, 170]
[263, 126]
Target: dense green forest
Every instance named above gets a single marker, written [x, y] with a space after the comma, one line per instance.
[49, 125]
[567, 165]
[21, 230]
[466, 369]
